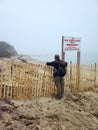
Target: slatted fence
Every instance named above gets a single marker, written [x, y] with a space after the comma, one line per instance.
[26, 80]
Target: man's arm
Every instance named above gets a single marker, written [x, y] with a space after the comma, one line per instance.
[51, 63]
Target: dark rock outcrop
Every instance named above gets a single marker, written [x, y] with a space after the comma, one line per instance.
[6, 50]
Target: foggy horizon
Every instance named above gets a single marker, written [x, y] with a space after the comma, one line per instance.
[37, 27]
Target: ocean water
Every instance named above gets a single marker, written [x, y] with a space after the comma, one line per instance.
[85, 58]
[45, 58]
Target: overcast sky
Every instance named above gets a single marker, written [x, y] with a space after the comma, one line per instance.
[36, 27]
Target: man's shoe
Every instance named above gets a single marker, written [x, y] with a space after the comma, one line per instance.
[58, 97]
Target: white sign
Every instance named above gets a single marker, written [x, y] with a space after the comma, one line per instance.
[72, 43]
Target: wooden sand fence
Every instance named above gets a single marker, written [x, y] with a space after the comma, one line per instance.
[26, 80]
[81, 78]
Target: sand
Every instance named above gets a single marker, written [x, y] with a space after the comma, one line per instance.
[75, 111]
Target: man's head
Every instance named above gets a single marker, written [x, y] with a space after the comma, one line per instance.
[57, 57]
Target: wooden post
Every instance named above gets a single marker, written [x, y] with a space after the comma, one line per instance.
[71, 75]
[63, 53]
[4, 78]
[95, 75]
[1, 82]
[78, 71]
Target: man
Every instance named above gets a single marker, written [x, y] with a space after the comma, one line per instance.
[58, 79]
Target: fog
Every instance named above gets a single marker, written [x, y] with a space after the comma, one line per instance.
[36, 27]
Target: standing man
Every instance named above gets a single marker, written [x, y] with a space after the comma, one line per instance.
[58, 74]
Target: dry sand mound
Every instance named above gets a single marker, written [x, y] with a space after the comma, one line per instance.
[76, 111]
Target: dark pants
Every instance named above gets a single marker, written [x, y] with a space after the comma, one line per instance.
[59, 82]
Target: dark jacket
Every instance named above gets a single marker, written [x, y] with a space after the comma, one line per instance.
[54, 64]
[60, 67]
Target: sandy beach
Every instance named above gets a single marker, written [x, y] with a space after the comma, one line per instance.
[76, 111]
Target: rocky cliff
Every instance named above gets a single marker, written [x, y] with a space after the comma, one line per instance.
[6, 50]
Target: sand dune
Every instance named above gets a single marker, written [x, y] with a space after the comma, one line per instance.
[76, 111]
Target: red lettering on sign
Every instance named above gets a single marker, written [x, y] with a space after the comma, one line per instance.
[72, 44]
